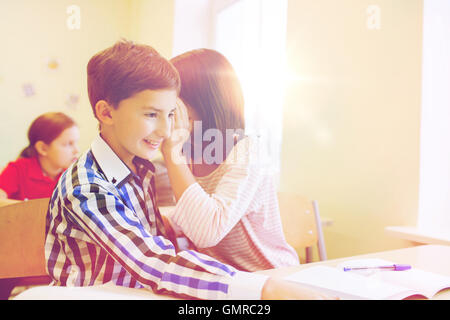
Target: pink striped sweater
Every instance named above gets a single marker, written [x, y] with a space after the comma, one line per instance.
[232, 214]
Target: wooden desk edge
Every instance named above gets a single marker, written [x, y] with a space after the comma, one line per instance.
[414, 234]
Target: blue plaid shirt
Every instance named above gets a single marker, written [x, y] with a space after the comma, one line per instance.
[103, 225]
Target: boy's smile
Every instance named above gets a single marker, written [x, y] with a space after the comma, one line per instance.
[139, 124]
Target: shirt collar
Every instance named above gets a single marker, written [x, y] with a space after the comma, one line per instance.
[144, 166]
[112, 166]
[115, 170]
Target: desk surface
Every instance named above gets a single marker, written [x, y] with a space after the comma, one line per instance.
[419, 236]
[434, 258]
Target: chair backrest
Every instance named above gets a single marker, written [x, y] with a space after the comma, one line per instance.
[22, 237]
[301, 224]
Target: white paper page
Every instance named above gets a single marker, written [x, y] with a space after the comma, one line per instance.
[425, 283]
[347, 285]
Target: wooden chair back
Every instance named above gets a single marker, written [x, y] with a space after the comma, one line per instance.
[301, 224]
[22, 237]
[7, 202]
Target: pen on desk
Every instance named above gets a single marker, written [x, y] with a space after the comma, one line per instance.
[393, 267]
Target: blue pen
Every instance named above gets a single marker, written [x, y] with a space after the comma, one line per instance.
[393, 267]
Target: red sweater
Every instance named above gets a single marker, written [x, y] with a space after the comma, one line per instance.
[23, 179]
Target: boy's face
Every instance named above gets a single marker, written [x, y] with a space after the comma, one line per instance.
[141, 123]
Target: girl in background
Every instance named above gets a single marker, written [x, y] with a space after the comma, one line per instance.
[226, 204]
[53, 139]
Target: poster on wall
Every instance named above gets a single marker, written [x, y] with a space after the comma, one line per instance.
[28, 90]
[53, 64]
[72, 101]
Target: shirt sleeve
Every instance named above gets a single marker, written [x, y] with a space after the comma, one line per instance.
[9, 179]
[207, 218]
[152, 260]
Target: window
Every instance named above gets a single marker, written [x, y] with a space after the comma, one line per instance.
[252, 35]
[434, 188]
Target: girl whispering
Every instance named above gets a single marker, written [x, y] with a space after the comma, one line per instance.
[226, 203]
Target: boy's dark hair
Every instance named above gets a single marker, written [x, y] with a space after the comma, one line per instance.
[126, 68]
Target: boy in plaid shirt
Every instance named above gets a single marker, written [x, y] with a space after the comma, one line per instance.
[103, 224]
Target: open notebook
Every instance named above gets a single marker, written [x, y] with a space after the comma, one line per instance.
[371, 284]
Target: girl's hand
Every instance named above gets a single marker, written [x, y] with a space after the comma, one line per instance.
[172, 146]
[181, 116]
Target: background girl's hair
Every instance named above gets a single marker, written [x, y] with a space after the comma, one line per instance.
[47, 127]
[211, 87]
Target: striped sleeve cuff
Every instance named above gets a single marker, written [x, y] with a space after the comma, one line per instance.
[246, 286]
[175, 227]
[178, 215]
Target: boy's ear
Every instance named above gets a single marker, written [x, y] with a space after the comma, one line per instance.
[41, 148]
[103, 112]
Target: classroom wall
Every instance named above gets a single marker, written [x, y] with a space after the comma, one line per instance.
[152, 23]
[35, 32]
[192, 25]
[352, 116]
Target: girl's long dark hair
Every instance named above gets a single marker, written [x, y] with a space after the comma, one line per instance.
[211, 87]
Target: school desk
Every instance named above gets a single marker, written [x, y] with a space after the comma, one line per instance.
[434, 258]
